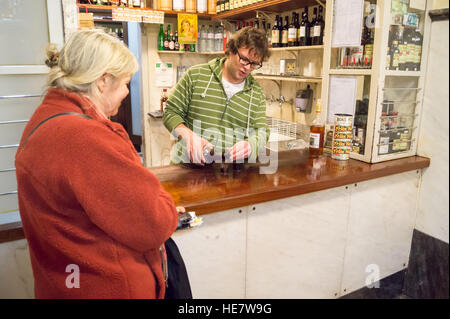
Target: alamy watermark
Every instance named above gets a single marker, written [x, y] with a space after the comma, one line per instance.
[73, 280]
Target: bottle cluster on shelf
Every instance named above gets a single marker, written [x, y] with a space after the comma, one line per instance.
[227, 5]
[296, 32]
[404, 49]
[188, 6]
[405, 39]
[119, 3]
[211, 38]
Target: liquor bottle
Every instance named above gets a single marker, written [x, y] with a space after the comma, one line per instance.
[166, 38]
[276, 34]
[322, 25]
[304, 29]
[418, 50]
[368, 49]
[178, 5]
[315, 29]
[177, 44]
[292, 32]
[161, 38]
[297, 28]
[136, 3]
[171, 41]
[227, 5]
[163, 100]
[222, 6]
[218, 7]
[395, 51]
[269, 35]
[403, 47]
[284, 33]
[317, 133]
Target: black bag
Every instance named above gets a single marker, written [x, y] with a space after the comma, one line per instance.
[178, 281]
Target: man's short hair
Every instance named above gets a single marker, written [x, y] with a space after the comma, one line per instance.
[251, 38]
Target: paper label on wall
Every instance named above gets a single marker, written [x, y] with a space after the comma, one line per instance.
[164, 74]
[342, 96]
[347, 23]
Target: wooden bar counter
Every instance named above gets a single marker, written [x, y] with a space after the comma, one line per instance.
[210, 189]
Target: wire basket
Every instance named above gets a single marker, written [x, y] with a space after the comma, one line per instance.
[281, 130]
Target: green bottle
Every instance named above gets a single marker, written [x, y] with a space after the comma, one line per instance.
[161, 38]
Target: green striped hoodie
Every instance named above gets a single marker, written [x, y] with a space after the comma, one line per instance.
[199, 102]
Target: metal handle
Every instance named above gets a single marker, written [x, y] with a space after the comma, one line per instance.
[21, 96]
[7, 170]
[9, 146]
[403, 102]
[8, 193]
[402, 89]
[14, 122]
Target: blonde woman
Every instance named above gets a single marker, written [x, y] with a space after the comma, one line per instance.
[94, 217]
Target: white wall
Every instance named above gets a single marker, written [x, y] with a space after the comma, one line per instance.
[433, 206]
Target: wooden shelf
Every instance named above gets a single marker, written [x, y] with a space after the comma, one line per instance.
[288, 78]
[351, 71]
[266, 5]
[108, 9]
[311, 47]
[188, 52]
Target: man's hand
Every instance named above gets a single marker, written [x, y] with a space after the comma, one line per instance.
[194, 144]
[181, 209]
[240, 150]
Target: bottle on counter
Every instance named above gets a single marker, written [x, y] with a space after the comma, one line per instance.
[163, 100]
[317, 133]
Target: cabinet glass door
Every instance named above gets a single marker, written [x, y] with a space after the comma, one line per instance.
[404, 49]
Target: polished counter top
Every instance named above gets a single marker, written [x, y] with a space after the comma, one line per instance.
[212, 189]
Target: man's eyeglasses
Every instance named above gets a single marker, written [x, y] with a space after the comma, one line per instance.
[244, 61]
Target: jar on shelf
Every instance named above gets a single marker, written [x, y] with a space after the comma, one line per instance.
[178, 5]
[191, 6]
[165, 5]
[212, 7]
[202, 6]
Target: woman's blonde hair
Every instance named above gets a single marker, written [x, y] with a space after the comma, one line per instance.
[84, 58]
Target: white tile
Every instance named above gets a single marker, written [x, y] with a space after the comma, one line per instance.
[381, 223]
[296, 246]
[214, 254]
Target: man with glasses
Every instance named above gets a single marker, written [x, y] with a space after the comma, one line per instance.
[220, 105]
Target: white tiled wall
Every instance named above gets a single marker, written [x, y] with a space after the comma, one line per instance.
[433, 218]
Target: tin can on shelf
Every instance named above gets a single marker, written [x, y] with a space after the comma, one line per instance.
[342, 137]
